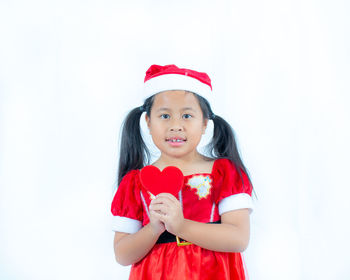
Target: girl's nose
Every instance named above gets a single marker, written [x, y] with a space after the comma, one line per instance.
[176, 129]
[176, 126]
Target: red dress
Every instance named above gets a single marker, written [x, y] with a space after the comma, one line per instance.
[204, 197]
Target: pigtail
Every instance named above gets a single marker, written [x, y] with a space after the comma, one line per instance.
[224, 142]
[134, 153]
[132, 147]
[224, 145]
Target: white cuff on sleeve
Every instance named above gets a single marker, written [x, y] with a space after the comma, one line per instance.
[124, 224]
[234, 202]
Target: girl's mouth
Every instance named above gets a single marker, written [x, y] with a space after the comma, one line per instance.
[175, 142]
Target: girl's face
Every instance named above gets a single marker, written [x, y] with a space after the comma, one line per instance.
[176, 124]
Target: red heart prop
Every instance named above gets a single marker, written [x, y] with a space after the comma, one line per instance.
[170, 180]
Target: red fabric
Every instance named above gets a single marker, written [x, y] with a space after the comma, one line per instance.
[169, 261]
[127, 200]
[227, 176]
[185, 262]
[158, 70]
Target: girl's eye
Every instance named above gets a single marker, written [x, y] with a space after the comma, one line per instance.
[187, 116]
[164, 116]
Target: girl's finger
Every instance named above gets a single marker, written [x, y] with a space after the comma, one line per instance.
[165, 199]
[156, 215]
[159, 202]
[159, 207]
[167, 195]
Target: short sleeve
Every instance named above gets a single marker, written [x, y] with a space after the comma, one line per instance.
[233, 191]
[126, 206]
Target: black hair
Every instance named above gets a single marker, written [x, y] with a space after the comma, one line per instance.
[134, 154]
[223, 143]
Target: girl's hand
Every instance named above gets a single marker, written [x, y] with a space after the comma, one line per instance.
[157, 225]
[168, 210]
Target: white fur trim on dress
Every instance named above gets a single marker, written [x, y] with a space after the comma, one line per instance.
[234, 202]
[124, 224]
[176, 82]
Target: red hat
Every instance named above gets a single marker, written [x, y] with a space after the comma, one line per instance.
[170, 77]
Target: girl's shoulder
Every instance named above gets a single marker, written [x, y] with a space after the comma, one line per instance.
[131, 177]
[221, 166]
[222, 163]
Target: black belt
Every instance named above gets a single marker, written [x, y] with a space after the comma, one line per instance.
[167, 237]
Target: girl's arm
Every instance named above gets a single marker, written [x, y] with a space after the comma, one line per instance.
[232, 235]
[131, 248]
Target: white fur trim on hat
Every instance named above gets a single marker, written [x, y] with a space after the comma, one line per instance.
[176, 82]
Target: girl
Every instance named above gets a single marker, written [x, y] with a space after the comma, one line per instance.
[199, 235]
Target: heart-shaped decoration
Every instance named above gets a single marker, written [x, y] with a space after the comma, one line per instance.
[170, 180]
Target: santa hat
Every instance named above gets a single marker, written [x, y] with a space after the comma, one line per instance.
[170, 77]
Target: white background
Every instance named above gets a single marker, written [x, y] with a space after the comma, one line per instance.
[71, 70]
